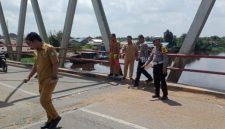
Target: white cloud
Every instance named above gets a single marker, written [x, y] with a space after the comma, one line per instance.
[125, 17]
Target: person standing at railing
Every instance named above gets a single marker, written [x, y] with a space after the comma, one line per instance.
[142, 58]
[159, 63]
[46, 67]
[131, 53]
[114, 51]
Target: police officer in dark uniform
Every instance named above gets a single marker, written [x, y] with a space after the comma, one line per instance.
[142, 58]
[159, 62]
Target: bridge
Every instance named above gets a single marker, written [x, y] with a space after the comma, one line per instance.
[92, 101]
[189, 42]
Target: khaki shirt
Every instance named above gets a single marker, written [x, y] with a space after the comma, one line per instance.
[131, 51]
[114, 48]
[44, 59]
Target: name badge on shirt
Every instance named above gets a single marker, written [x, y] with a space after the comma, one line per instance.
[143, 59]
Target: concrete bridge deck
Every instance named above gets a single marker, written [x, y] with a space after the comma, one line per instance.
[98, 103]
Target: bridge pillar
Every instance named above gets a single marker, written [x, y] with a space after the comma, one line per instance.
[67, 30]
[21, 25]
[5, 32]
[39, 20]
[102, 22]
[192, 35]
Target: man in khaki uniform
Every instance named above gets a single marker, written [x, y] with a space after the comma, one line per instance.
[114, 51]
[46, 67]
[131, 53]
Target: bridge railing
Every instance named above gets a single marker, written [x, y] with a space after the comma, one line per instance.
[195, 56]
[170, 55]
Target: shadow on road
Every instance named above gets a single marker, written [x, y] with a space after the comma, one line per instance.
[56, 92]
[171, 102]
[4, 104]
[11, 94]
[149, 87]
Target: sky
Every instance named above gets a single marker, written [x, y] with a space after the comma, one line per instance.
[125, 17]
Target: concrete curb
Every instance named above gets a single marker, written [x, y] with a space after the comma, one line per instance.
[171, 86]
[196, 90]
[61, 70]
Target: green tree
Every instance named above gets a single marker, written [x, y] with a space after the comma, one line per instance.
[214, 38]
[55, 38]
[147, 39]
[181, 40]
[88, 46]
[168, 37]
[76, 47]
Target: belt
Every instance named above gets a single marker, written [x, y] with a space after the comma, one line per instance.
[157, 63]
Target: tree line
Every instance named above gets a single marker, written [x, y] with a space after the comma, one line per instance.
[203, 44]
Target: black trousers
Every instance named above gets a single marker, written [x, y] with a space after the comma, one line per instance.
[141, 70]
[160, 79]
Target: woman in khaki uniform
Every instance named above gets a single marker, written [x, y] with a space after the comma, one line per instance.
[131, 53]
[46, 67]
[114, 47]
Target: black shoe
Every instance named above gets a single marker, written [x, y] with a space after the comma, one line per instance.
[110, 75]
[155, 96]
[164, 98]
[54, 123]
[46, 125]
[135, 85]
[149, 80]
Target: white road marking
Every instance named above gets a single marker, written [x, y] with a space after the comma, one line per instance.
[94, 113]
[219, 106]
[12, 87]
[113, 119]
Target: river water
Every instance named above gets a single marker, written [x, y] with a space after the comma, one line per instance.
[208, 81]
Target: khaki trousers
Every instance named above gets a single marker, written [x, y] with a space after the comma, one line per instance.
[114, 66]
[46, 89]
[129, 63]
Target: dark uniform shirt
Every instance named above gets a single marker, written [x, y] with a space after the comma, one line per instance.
[143, 55]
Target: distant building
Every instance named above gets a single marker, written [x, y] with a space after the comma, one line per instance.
[122, 43]
[11, 35]
[3, 47]
[98, 43]
[82, 41]
[213, 43]
[151, 45]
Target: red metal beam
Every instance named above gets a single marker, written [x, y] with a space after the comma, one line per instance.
[195, 56]
[197, 71]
